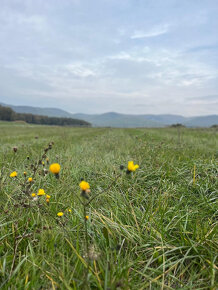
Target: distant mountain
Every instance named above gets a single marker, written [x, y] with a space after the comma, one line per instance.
[167, 119]
[202, 121]
[50, 112]
[119, 120]
[8, 114]
[129, 121]
[113, 119]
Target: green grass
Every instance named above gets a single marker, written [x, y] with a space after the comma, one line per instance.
[153, 229]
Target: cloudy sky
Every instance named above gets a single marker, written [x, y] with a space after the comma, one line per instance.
[95, 56]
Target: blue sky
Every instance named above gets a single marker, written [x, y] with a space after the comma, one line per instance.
[128, 56]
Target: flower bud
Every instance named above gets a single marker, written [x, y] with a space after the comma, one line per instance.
[15, 149]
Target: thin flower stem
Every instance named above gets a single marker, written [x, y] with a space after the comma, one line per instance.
[80, 200]
[87, 245]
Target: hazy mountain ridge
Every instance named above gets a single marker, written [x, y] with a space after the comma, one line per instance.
[112, 119]
[9, 115]
[124, 120]
[202, 121]
[50, 112]
[119, 120]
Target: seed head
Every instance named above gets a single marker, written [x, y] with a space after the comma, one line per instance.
[15, 149]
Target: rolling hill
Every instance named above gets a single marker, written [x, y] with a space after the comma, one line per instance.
[50, 112]
[130, 121]
[112, 119]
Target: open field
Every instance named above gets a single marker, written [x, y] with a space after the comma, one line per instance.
[155, 228]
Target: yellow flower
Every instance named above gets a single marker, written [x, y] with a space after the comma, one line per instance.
[60, 213]
[24, 173]
[33, 194]
[70, 210]
[41, 192]
[131, 166]
[43, 163]
[55, 168]
[13, 174]
[87, 217]
[47, 200]
[84, 185]
[48, 196]
[30, 179]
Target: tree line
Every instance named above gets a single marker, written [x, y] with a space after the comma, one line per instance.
[7, 114]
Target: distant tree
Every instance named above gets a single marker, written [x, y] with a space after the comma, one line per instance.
[215, 126]
[178, 125]
[7, 114]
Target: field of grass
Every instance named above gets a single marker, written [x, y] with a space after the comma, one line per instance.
[155, 228]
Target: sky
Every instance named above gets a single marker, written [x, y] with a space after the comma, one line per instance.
[97, 56]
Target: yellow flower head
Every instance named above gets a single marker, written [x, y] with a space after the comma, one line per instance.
[24, 173]
[87, 217]
[60, 213]
[33, 194]
[55, 168]
[43, 163]
[30, 179]
[131, 166]
[13, 174]
[70, 210]
[47, 200]
[48, 196]
[84, 185]
[41, 192]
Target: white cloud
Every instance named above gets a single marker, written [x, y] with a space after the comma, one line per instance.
[14, 20]
[69, 51]
[80, 70]
[155, 31]
[166, 67]
[38, 22]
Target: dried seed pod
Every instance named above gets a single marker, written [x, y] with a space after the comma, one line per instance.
[15, 149]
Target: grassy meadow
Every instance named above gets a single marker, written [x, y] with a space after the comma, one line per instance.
[155, 228]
